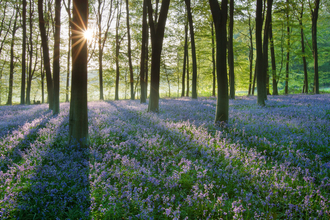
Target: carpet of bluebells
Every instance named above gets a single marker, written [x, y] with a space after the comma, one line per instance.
[269, 162]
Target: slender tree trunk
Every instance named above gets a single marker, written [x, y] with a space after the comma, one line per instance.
[220, 23]
[250, 57]
[272, 54]
[193, 51]
[286, 89]
[188, 80]
[231, 50]
[129, 52]
[23, 54]
[44, 41]
[69, 55]
[265, 47]
[42, 76]
[11, 72]
[78, 119]
[315, 13]
[157, 36]
[100, 49]
[29, 79]
[259, 61]
[213, 59]
[184, 57]
[117, 52]
[144, 51]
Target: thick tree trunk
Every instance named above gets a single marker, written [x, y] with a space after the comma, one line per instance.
[193, 51]
[231, 50]
[213, 59]
[184, 58]
[315, 13]
[129, 53]
[56, 58]
[23, 54]
[44, 41]
[157, 36]
[78, 121]
[272, 54]
[144, 52]
[220, 23]
[259, 61]
[11, 72]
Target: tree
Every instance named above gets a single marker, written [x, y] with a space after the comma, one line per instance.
[45, 50]
[23, 54]
[144, 55]
[11, 74]
[231, 50]
[272, 54]
[213, 59]
[129, 53]
[78, 119]
[102, 39]
[286, 89]
[117, 49]
[220, 22]
[193, 50]
[259, 61]
[68, 9]
[157, 35]
[315, 14]
[305, 86]
[184, 57]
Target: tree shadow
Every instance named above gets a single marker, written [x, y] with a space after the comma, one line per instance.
[59, 186]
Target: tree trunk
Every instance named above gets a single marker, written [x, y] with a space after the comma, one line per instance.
[188, 80]
[129, 53]
[11, 73]
[272, 54]
[144, 52]
[259, 61]
[42, 76]
[44, 43]
[69, 55]
[29, 76]
[23, 54]
[193, 51]
[157, 36]
[220, 23]
[305, 87]
[117, 51]
[286, 89]
[315, 13]
[184, 58]
[100, 50]
[78, 121]
[213, 59]
[250, 57]
[231, 50]
[56, 58]
[265, 47]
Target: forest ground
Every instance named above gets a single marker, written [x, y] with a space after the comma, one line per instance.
[269, 162]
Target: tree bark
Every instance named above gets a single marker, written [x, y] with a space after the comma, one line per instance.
[78, 119]
[305, 87]
[213, 59]
[250, 57]
[231, 50]
[129, 53]
[11, 73]
[44, 43]
[144, 52]
[69, 54]
[193, 51]
[259, 61]
[315, 13]
[23, 54]
[220, 23]
[272, 54]
[157, 36]
[286, 89]
[56, 58]
[184, 58]
[29, 76]
[117, 51]
[188, 80]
